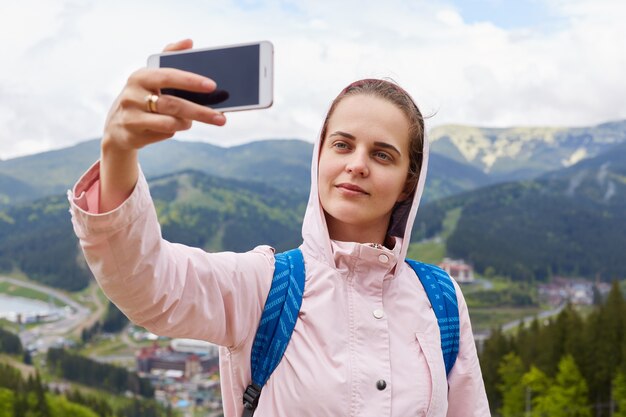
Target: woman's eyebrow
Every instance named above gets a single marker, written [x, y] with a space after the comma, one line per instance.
[344, 134]
[383, 145]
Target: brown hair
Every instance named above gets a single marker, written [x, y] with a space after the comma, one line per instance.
[396, 95]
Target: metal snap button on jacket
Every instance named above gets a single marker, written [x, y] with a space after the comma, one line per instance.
[378, 313]
[383, 258]
[381, 384]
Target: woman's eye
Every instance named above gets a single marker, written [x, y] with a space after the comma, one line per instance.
[383, 155]
[340, 145]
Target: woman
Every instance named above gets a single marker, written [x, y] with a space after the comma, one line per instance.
[366, 342]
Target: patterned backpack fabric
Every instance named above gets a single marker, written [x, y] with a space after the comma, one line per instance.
[285, 299]
[442, 296]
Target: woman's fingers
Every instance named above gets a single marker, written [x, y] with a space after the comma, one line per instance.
[134, 130]
[154, 79]
[164, 124]
[145, 82]
[142, 115]
[187, 110]
[179, 46]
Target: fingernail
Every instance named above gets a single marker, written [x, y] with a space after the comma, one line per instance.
[208, 84]
[219, 118]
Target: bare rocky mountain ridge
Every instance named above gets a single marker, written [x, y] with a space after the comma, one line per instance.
[524, 152]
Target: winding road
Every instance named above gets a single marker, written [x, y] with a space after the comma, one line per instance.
[480, 338]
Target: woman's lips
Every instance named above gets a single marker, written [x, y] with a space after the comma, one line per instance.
[351, 189]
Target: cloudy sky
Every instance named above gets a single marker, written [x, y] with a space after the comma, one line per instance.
[488, 63]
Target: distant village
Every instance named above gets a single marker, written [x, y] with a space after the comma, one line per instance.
[184, 373]
[558, 291]
[573, 290]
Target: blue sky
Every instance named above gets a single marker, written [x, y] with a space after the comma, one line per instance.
[486, 63]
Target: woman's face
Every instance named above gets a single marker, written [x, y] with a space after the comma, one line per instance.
[363, 167]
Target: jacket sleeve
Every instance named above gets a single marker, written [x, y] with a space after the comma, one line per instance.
[466, 389]
[170, 289]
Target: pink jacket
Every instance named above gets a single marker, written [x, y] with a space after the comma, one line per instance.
[365, 317]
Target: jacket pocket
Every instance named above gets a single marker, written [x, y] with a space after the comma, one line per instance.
[437, 374]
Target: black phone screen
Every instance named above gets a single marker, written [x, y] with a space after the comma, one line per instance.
[235, 70]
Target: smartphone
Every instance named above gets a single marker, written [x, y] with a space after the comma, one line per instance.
[244, 74]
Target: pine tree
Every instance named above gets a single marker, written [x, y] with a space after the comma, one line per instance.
[511, 388]
[572, 341]
[619, 394]
[526, 344]
[604, 340]
[572, 388]
[537, 383]
[7, 397]
[566, 396]
[37, 405]
[494, 349]
[40, 392]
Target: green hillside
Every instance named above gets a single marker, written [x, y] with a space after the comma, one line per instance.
[570, 223]
[220, 214]
[194, 208]
[12, 189]
[38, 239]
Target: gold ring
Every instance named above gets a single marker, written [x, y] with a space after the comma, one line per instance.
[151, 102]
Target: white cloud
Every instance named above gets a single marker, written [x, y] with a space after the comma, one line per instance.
[65, 61]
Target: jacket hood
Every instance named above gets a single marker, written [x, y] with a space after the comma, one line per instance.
[315, 230]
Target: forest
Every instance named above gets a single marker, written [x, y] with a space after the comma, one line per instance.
[573, 365]
[86, 371]
[30, 397]
[532, 231]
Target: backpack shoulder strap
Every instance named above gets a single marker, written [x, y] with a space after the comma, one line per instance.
[442, 296]
[277, 323]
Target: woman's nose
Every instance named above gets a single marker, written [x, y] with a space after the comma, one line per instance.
[357, 164]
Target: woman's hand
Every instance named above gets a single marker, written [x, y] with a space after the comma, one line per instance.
[131, 124]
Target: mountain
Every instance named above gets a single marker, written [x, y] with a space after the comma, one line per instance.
[448, 177]
[193, 207]
[12, 189]
[507, 154]
[569, 222]
[462, 158]
[601, 169]
[281, 164]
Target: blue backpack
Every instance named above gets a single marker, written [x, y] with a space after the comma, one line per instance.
[285, 299]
